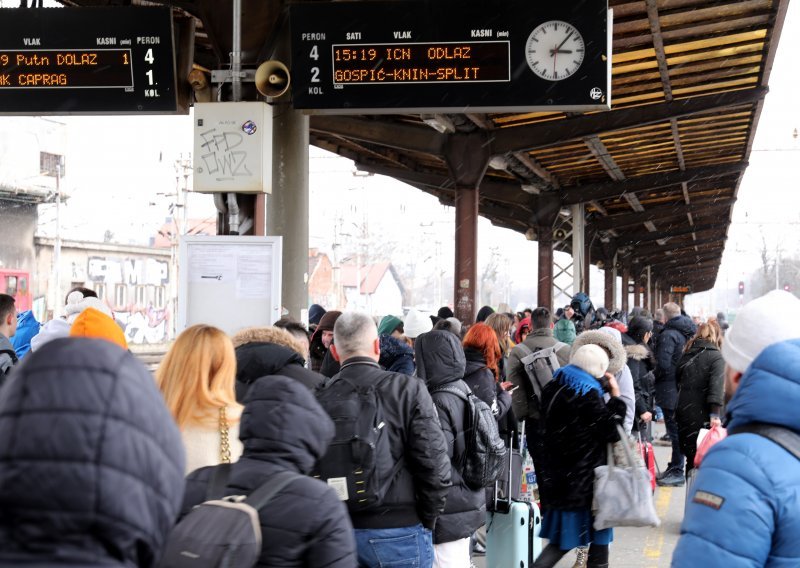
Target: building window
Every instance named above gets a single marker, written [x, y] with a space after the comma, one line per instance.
[121, 295]
[141, 295]
[11, 285]
[48, 163]
[100, 289]
[160, 300]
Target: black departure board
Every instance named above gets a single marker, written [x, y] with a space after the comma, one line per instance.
[443, 55]
[103, 60]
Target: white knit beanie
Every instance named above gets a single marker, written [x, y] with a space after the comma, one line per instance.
[416, 324]
[766, 320]
[592, 359]
[76, 303]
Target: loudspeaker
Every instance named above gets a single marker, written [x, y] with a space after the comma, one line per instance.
[272, 78]
[559, 234]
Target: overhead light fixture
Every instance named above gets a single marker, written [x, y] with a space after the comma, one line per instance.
[530, 234]
[498, 163]
[439, 122]
[565, 212]
[532, 189]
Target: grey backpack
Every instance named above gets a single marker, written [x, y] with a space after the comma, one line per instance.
[539, 367]
[485, 452]
[224, 531]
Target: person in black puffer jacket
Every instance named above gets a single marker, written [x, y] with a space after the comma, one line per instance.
[701, 389]
[93, 463]
[441, 363]
[262, 351]
[396, 355]
[577, 426]
[669, 348]
[305, 525]
[641, 362]
[482, 372]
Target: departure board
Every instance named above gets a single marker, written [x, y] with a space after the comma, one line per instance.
[446, 56]
[86, 61]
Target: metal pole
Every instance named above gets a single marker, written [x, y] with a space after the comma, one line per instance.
[578, 249]
[287, 205]
[649, 289]
[57, 244]
[236, 54]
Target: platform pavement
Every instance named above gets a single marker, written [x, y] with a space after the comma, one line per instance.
[641, 547]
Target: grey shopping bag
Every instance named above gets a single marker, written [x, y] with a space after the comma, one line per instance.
[622, 495]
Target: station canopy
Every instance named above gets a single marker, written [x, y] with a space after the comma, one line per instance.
[658, 174]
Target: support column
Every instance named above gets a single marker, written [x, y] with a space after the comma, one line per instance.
[609, 251]
[578, 249]
[649, 301]
[637, 294]
[466, 269]
[626, 280]
[467, 157]
[545, 213]
[587, 263]
[287, 205]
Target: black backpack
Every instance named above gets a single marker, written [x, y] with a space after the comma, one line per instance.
[357, 464]
[225, 530]
[12, 355]
[485, 453]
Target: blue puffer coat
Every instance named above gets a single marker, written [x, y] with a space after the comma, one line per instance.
[92, 462]
[744, 510]
[396, 355]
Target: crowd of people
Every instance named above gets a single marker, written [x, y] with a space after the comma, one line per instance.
[370, 422]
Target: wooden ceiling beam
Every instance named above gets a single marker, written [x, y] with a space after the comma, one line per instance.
[640, 237]
[656, 213]
[381, 132]
[490, 188]
[609, 190]
[541, 135]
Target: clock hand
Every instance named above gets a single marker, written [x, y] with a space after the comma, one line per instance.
[563, 51]
[565, 40]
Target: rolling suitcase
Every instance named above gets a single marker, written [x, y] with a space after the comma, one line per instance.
[512, 526]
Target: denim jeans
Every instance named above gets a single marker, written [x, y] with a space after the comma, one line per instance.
[672, 431]
[406, 547]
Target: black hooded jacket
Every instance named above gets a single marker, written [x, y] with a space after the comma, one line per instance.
[93, 464]
[576, 431]
[669, 349]
[396, 355]
[441, 362]
[417, 492]
[259, 359]
[481, 380]
[641, 363]
[283, 428]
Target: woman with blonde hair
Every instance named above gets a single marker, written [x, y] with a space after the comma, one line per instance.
[701, 388]
[197, 379]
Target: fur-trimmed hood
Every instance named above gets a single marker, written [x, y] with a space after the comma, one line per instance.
[274, 335]
[617, 355]
[638, 352]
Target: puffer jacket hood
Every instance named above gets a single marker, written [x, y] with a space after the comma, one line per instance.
[396, 355]
[283, 423]
[258, 359]
[27, 329]
[255, 360]
[440, 358]
[754, 480]
[639, 352]
[682, 324]
[274, 335]
[104, 486]
[770, 389]
[618, 356]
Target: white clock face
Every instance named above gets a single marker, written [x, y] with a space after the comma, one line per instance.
[554, 50]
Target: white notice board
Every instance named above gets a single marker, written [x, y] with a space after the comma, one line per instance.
[230, 282]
